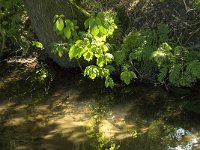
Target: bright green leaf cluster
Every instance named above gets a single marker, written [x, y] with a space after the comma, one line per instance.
[95, 71]
[38, 44]
[127, 76]
[102, 25]
[90, 45]
[65, 27]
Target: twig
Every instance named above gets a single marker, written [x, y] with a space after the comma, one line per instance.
[80, 65]
[186, 8]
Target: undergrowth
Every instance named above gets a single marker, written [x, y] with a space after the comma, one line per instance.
[15, 31]
[163, 60]
[150, 54]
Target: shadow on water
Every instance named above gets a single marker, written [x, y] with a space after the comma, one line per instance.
[163, 120]
[140, 117]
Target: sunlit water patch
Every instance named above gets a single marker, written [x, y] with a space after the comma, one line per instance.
[185, 144]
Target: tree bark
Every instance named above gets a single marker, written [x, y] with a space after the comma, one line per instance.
[41, 13]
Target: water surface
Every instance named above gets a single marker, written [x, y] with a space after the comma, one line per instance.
[139, 117]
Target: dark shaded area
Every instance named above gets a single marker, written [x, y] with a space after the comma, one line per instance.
[179, 15]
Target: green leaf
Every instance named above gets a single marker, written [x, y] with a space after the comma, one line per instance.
[100, 61]
[91, 22]
[86, 23]
[59, 24]
[88, 56]
[104, 47]
[127, 76]
[104, 72]
[163, 74]
[73, 52]
[94, 31]
[67, 32]
[102, 30]
[69, 24]
[110, 68]
[38, 44]
[109, 82]
[60, 53]
[98, 21]
[60, 50]
[194, 68]
[92, 71]
[119, 57]
[94, 49]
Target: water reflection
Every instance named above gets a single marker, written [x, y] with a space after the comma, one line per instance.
[185, 145]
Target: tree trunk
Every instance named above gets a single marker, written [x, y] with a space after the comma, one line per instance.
[41, 13]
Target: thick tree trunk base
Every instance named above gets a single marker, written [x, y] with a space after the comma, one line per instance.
[41, 13]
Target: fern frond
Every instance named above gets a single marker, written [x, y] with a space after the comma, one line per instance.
[163, 54]
[133, 40]
[163, 33]
[181, 53]
[162, 74]
[175, 74]
[194, 68]
[119, 57]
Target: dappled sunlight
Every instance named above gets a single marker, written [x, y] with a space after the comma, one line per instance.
[114, 125]
[100, 75]
[65, 117]
[15, 121]
[71, 122]
[21, 107]
[4, 106]
[30, 62]
[41, 109]
[40, 122]
[118, 130]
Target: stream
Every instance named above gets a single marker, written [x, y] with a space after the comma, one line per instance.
[135, 117]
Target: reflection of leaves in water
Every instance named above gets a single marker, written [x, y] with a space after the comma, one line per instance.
[155, 129]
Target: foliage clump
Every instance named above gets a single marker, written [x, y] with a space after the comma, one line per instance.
[165, 60]
[15, 33]
[90, 45]
[149, 54]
